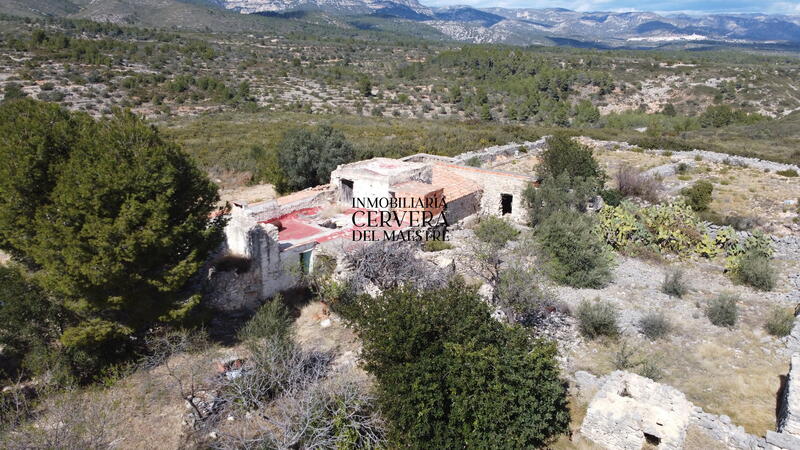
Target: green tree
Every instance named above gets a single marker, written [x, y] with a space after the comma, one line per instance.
[556, 194]
[564, 155]
[699, 195]
[12, 91]
[458, 380]
[364, 86]
[119, 220]
[586, 113]
[29, 322]
[572, 252]
[35, 141]
[307, 157]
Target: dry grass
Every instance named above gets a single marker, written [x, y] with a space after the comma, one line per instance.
[735, 371]
[248, 194]
[723, 374]
[575, 440]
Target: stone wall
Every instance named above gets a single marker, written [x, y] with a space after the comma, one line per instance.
[629, 410]
[270, 270]
[495, 184]
[490, 154]
[789, 412]
[690, 155]
[463, 207]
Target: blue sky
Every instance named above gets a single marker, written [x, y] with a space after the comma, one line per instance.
[688, 6]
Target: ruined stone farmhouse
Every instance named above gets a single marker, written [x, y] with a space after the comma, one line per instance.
[280, 238]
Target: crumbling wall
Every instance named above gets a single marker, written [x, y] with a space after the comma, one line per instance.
[270, 270]
[494, 184]
[630, 410]
[308, 198]
[789, 412]
[627, 408]
[490, 154]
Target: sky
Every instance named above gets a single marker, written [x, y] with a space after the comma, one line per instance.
[665, 6]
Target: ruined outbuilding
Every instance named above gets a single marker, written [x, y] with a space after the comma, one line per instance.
[630, 412]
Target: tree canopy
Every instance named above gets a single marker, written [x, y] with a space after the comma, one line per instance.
[456, 380]
[308, 156]
[109, 216]
[566, 155]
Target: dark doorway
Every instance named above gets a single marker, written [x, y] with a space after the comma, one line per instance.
[505, 203]
[652, 440]
[305, 261]
[347, 191]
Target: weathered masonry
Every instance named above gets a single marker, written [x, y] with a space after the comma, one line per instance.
[281, 237]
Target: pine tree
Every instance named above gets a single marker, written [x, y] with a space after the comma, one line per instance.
[112, 218]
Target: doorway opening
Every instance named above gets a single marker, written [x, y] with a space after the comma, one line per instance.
[346, 189]
[505, 203]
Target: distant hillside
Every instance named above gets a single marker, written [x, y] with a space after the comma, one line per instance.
[35, 8]
[554, 26]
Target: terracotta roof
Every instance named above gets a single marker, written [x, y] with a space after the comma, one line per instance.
[455, 186]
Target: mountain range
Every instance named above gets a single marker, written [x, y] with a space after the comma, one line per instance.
[462, 23]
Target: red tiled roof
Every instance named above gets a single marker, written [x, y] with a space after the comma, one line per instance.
[454, 186]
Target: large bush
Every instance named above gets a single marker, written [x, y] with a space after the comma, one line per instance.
[698, 196]
[113, 219]
[29, 322]
[565, 155]
[572, 252]
[756, 270]
[749, 260]
[495, 231]
[723, 311]
[633, 183]
[597, 318]
[449, 376]
[520, 291]
[308, 156]
[672, 228]
[556, 194]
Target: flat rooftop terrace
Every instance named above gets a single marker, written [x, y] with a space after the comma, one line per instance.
[317, 224]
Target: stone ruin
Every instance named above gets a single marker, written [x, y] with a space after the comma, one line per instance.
[630, 412]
